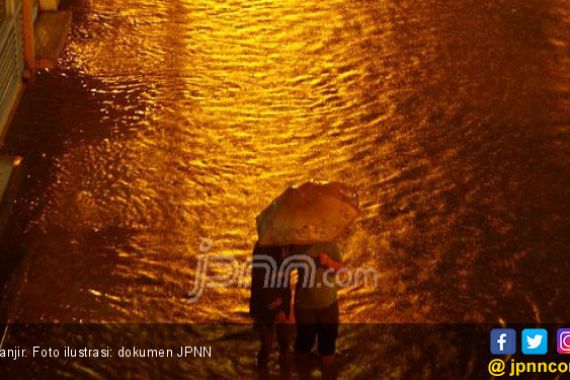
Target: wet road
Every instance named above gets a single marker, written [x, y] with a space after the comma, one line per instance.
[170, 122]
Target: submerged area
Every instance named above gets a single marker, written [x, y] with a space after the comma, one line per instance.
[173, 122]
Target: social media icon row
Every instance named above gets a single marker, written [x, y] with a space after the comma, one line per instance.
[533, 341]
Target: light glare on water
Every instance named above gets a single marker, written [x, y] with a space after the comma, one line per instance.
[173, 121]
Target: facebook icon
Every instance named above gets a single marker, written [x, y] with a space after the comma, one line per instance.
[503, 341]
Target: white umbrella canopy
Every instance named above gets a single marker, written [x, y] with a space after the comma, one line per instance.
[307, 214]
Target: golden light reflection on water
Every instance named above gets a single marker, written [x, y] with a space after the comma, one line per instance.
[186, 118]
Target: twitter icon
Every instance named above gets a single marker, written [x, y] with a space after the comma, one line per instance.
[534, 342]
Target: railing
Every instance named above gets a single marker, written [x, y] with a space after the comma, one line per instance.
[11, 54]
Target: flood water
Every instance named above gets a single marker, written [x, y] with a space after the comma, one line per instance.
[169, 122]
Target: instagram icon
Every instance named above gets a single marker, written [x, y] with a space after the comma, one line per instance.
[563, 341]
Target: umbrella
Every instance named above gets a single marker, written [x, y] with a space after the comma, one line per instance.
[307, 214]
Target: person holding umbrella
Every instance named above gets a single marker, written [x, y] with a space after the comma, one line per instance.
[310, 218]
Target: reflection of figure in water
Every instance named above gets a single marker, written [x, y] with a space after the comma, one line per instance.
[316, 306]
[270, 305]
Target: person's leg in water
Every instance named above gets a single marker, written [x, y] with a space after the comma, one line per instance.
[306, 337]
[306, 330]
[327, 332]
[266, 340]
[266, 335]
[282, 325]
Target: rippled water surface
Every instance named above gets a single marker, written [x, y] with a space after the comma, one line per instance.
[172, 121]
